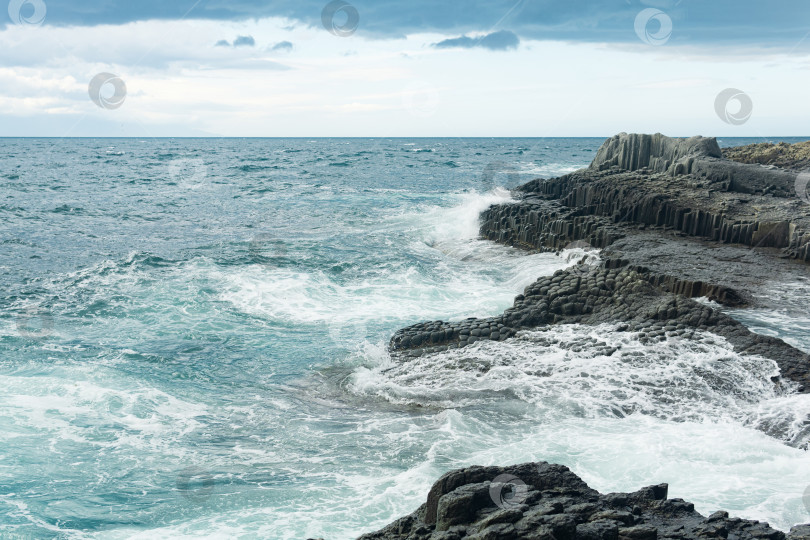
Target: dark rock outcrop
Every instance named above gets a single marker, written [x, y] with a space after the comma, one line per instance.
[675, 220]
[541, 501]
[589, 295]
[697, 156]
[655, 181]
[656, 152]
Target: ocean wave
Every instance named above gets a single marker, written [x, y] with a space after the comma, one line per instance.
[785, 318]
[456, 279]
[580, 371]
[179, 343]
[248, 167]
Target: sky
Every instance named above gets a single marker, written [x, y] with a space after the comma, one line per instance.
[429, 68]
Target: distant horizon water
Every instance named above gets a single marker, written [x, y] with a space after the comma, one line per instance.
[777, 138]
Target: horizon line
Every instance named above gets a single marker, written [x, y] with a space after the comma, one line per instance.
[390, 137]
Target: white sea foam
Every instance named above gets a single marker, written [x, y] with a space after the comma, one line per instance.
[788, 319]
[622, 420]
[59, 405]
[548, 170]
[691, 413]
[715, 464]
[458, 222]
[469, 277]
[578, 371]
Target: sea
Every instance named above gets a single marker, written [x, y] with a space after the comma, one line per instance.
[193, 345]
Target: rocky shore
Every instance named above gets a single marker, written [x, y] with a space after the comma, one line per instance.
[673, 220]
[787, 156]
[540, 501]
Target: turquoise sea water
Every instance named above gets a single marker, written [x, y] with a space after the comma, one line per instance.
[193, 333]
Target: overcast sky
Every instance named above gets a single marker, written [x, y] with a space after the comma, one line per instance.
[404, 68]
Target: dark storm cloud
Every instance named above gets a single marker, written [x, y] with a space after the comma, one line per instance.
[496, 41]
[742, 22]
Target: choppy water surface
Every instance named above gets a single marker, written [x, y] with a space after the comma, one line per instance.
[192, 345]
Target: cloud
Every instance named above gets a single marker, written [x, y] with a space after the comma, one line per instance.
[462, 42]
[743, 22]
[132, 48]
[244, 41]
[282, 46]
[496, 41]
[240, 41]
[186, 87]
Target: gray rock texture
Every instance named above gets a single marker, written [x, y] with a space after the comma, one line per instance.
[676, 221]
[655, 181]
[591, 295]
[541, 501]
[783, 155]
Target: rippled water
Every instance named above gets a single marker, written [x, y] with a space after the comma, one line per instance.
[193, 332]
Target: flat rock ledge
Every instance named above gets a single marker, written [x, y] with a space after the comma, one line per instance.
[593, 295]
[675, 220]
[542, 501]
[783, 155]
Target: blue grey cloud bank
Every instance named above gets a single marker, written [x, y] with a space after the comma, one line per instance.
[743, 22]
[496, 41]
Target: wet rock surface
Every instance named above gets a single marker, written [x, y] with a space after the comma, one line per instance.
[594, 295]
[546, 501]
[675, 221]
[728, 274]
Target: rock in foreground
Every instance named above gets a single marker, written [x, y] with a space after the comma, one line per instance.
[541, 501]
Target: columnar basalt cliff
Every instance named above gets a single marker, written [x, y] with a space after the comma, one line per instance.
[675, 221]
[697, 156]
[656, 181]
[540, 501]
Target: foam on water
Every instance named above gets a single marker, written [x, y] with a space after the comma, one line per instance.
[575, 371]
[690, 413]
[176, 351]
[459, 281]
[458, 222]
[716, 462]
[35, 392]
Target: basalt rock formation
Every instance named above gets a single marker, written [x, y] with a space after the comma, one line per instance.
[675, 221]
[697, 156]
[590, 295]
[656, 181]
[540, 501]
[783, 155]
